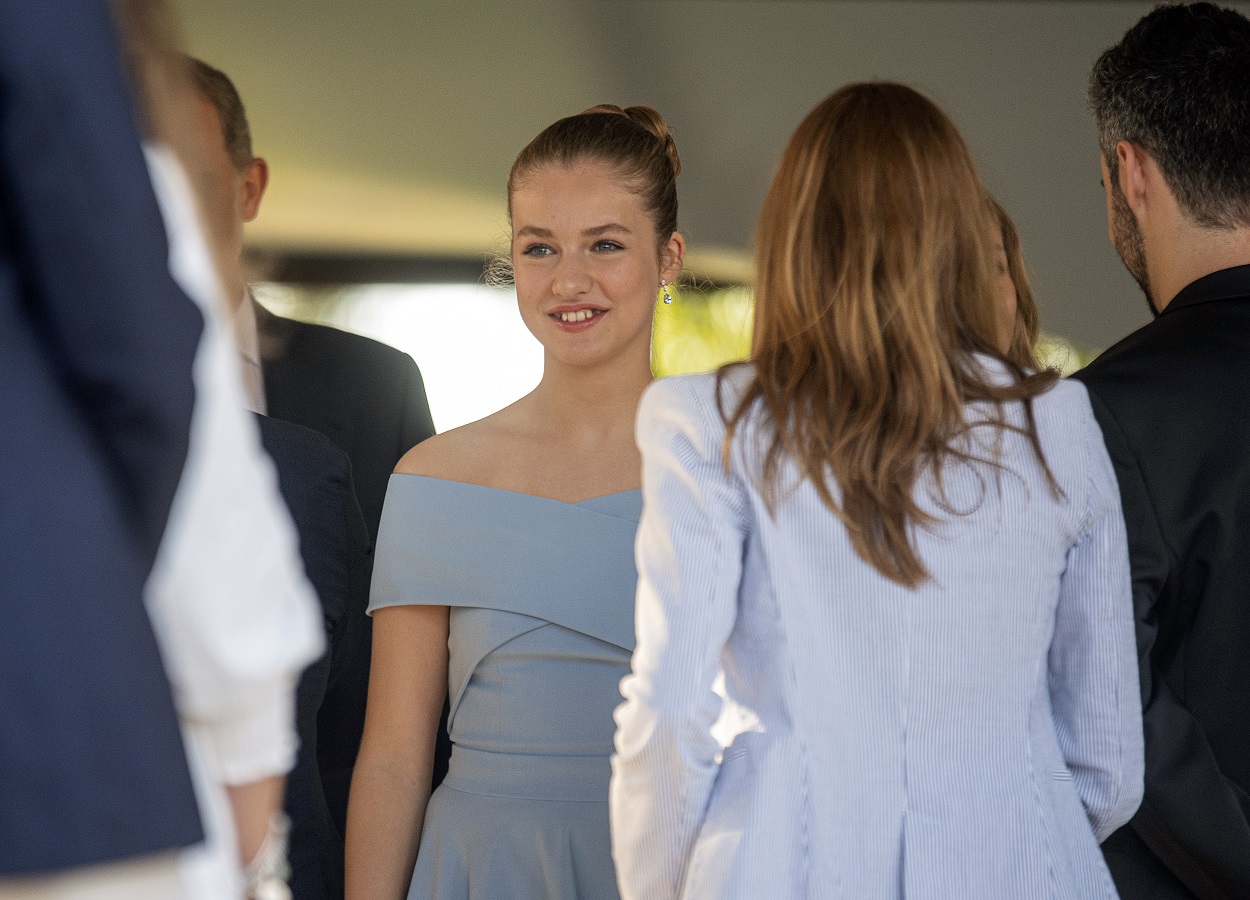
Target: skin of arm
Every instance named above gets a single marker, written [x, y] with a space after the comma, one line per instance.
[391, 785]
[254, 805]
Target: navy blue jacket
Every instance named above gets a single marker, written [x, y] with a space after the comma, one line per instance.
[96, 345]
[315, 478]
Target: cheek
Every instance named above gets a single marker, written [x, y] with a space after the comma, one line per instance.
[637, 282]
[530, 289]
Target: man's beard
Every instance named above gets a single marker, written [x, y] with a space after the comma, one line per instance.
[1127, 239]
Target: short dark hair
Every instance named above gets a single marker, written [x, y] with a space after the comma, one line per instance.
[1178, 85]
[217, 87]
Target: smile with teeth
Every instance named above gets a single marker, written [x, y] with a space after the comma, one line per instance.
[580, 315]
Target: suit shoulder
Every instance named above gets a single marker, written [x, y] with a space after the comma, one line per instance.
[330, 341]
[285, 440]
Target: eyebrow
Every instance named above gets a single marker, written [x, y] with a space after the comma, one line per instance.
[535, 231]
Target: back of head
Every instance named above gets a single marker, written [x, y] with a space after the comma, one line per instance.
[875, 287]
[216, 87]
[1178, 85]
[635, 141]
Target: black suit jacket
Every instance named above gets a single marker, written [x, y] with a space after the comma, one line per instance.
[96, 347]
[366, 397]
[315, 478]
[369, 399]
[1173, 400]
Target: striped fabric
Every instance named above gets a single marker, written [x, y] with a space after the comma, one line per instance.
[972, 738]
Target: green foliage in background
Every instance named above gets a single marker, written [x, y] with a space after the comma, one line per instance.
[702, 330]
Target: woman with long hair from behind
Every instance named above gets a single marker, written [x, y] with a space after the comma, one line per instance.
[900, 548]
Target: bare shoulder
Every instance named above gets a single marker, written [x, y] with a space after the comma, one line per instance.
[465, 454]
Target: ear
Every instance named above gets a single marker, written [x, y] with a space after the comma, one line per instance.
[1134, 181]
[672, 255]
[255, 178]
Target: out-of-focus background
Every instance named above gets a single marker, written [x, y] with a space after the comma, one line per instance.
[390, 126]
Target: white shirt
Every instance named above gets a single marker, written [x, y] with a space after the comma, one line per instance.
[248, 339]
[234, 614]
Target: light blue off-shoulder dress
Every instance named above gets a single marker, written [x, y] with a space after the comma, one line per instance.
[541, 631]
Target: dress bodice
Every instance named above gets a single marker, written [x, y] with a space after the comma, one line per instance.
[542, 607]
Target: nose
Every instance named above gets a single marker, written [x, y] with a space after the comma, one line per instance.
[572, 277]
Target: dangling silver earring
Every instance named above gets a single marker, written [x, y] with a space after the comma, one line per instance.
[668, 298]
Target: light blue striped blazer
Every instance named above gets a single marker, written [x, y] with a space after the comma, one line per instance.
[972, 738]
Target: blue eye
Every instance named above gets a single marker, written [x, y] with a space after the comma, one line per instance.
[602, 246]
[537, 250]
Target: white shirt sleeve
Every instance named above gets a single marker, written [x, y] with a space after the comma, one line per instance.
[236, 618]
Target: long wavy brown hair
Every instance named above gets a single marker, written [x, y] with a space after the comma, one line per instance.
[1027, 327]
[875, 291]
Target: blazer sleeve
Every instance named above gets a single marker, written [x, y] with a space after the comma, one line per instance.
[689, 554]
[343, 709]
[91, 250]
[1205, 843]
[1093, 659]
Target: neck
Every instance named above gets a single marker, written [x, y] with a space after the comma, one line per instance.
[591, 403]
[1189, 252]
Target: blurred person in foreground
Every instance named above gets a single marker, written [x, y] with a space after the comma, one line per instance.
[505, 566]
[902, 549]
[316, 480]
[1172, 105]
[366, 397]
[233, 611]
[96, 345]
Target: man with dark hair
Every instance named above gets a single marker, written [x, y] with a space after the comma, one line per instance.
[1172, 104]
[366, 397]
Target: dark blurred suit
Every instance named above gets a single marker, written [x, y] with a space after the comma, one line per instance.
[1173, 400]
[315, 478]
[369, 399]
[365, 396]
[96, 346]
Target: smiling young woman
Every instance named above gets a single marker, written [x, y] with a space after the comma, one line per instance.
[504, 565]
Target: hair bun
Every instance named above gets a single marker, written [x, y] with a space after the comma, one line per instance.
[650, 120]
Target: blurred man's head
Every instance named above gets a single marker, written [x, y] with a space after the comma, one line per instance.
[1172, 99]
[238, 179]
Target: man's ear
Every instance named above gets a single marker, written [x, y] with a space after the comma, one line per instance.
[252, 187]
[1131, 172]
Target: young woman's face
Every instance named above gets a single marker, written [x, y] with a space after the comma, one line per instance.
[585, 260]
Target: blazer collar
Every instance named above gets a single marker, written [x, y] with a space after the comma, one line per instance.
[1226, 284]
[274, 333]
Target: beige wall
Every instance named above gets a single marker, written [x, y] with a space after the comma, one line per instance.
[391, 124]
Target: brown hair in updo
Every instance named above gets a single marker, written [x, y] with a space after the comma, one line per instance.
[634, 140]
